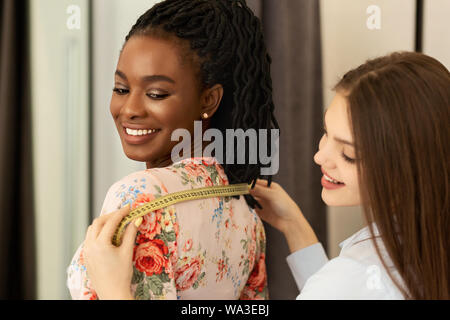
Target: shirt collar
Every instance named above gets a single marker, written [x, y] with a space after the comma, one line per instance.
[362, 234]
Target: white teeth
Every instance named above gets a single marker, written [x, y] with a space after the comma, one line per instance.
[139, 132]
[331, 180]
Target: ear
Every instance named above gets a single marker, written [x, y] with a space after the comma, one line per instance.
[211, 98]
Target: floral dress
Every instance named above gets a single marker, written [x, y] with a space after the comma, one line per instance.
[211, 248]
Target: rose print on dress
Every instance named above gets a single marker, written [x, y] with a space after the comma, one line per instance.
[189, 274]
[257, 282]
[150, 257]
[187, 245]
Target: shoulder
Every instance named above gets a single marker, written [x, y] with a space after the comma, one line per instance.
[137, 187]
[145, 185]
[135, 178]
[357, 273]
[198, 171]
[136, 182]
[187, 172]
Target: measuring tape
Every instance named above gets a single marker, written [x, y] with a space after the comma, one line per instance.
[176, 197]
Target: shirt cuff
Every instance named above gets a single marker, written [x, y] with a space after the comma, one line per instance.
[305, 262]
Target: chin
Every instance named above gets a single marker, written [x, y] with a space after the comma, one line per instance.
[136, 156]
[337, 199]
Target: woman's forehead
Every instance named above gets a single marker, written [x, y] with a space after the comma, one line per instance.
[147, 55]
[336, 118]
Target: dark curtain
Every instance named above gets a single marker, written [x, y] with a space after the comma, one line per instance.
[292, 34]
[17, 242]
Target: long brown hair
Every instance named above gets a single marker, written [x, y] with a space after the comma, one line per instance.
[399, 112]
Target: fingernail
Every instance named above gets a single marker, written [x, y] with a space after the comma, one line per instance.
[138, 222]
[127, 206]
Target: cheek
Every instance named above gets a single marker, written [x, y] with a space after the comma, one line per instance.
[177, 114]
[351, 179]
[347, 196]
[114, 107]
[171, 118]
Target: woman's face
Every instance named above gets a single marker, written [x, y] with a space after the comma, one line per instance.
[336, 157]
[154, 94]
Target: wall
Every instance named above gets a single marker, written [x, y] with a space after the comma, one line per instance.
[436, 30]
[59, 85]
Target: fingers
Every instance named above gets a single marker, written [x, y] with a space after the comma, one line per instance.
[97, 225]
[95, 228]
[261, 182]
[111, 224]
[129, 236]
[257, 191]
[261, 189]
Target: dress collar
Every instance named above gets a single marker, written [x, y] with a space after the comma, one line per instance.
[200, 160]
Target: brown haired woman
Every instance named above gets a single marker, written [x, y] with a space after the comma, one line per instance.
[385, 147]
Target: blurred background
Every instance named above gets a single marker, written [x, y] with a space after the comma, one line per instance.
[59, 150]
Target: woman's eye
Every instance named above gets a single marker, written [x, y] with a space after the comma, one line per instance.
[120, 91]
[349, 160]
[156, 96]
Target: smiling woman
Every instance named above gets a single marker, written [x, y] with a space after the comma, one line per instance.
[156, 92]
[384, 148]
[183, 61]
[340, 178]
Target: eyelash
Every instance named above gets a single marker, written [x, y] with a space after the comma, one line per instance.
[153, 96]
[347, 159]
[120, 91]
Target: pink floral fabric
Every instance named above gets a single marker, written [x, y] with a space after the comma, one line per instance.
[200, 249]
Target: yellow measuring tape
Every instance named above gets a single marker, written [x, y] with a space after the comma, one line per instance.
[176, 197]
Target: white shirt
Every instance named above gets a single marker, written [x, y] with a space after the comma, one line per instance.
[357, 273]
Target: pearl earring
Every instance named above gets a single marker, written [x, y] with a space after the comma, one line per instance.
[205, 116]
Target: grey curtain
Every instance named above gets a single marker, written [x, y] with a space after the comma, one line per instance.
[292, 34]
[17, 250]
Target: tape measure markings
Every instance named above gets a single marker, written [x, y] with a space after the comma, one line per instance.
[176, 197]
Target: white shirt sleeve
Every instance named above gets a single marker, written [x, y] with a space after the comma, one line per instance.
[305, 262]
[343, 278]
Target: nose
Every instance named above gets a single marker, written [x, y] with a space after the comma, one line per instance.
[323, 157]
[134, 106]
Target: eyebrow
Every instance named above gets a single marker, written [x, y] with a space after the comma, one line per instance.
[336, 138]
[152, 78]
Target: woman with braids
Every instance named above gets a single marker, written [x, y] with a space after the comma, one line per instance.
[183, 61]
[384, 147]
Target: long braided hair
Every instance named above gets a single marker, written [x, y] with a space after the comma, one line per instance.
[228, 40]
